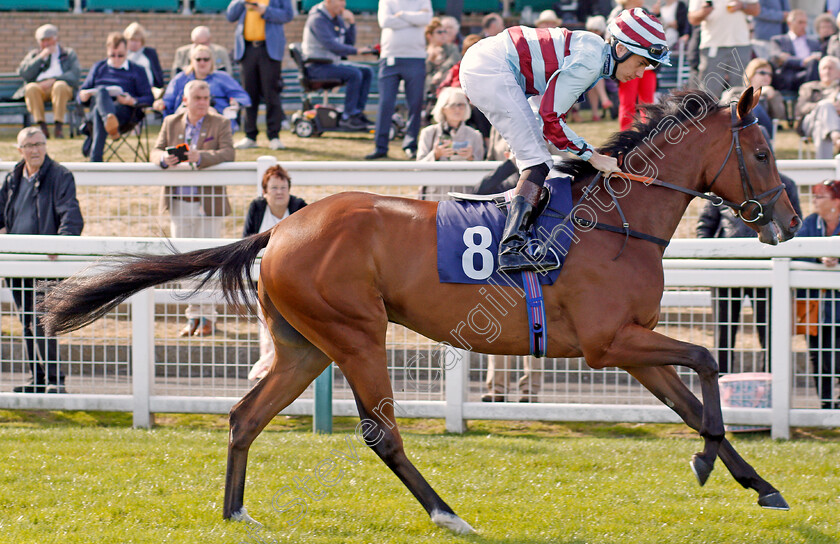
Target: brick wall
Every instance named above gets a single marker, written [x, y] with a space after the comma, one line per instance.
[86, 33]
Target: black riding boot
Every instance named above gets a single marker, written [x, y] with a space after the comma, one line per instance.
[516, 237]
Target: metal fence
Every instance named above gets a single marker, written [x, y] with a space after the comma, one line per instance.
[134, 359]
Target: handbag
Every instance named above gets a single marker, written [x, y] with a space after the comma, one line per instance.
[806, 313]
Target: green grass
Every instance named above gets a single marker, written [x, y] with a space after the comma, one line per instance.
[87, 477]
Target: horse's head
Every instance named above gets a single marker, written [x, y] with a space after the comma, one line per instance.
[748, 175]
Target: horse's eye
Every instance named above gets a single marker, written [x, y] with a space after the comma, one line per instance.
[761, 156]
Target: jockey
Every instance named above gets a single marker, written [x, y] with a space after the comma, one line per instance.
[499, 73]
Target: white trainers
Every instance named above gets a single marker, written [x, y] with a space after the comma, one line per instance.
[275, 144]
[245, 143]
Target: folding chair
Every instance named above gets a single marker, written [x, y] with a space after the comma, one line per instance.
[134, 139]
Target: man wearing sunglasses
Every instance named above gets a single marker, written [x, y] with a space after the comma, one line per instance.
[500, 73]
[117, 90]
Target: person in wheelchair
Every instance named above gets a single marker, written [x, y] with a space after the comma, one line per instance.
[117, 90]
[500, 73]
[329, 36]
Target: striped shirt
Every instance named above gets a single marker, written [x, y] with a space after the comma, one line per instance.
[560, 65]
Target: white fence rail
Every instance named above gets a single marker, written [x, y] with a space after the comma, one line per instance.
[138, 374]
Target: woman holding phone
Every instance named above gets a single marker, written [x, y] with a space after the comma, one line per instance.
[449, 139]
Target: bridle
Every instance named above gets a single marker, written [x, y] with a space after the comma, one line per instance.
[752, 201]
[751, 210]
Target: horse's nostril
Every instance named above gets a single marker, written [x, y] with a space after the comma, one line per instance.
[795, 223]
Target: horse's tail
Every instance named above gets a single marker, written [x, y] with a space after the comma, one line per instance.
[80, 300]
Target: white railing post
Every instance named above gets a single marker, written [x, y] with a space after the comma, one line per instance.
[457, 368]
[142, 354]
[780, 348]
[263, 164]
[186, 10]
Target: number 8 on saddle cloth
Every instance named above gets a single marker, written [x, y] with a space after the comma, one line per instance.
[469, 231]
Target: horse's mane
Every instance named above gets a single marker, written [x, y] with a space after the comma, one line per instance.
[676, 105]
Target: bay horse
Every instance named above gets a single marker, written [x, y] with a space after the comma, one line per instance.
[336, 273]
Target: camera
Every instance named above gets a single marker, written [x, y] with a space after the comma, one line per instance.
[179, 151]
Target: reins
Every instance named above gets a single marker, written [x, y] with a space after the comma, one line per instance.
[751, 210]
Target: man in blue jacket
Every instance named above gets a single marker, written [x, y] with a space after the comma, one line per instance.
[38, 197]
[117, 90]
[259, 46]
[330, 35]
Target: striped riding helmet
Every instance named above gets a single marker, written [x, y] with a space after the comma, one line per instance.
[641, 33]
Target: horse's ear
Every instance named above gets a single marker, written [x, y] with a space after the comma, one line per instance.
[747, 102]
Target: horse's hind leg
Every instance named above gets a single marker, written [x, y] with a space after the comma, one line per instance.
[372, 389]
[667, 386]
[296, 363]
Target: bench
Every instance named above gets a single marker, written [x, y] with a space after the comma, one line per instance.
[10, 82]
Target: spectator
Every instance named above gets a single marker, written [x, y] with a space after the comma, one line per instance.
[402, 58]
[795, 55]
[440, 56]
[548, 19]
[275, 204]
[225, 91]
[771, 19]
[824, 345]
[673, 15]
[201, 36]
[259, 46]
[38, 197]
[506, 174]
[724, 39]
[117, 90]
[452, 79]
[195, 212]
[638, 91]
[759, 74]
[722, 222]
[145, 57]
[453, 30]
[500, 369]
[833, 47]
[492, 24]
[50, 74]
[817, 108]
[450, 139]
[328, 36]
[825, 28]
[598, 96]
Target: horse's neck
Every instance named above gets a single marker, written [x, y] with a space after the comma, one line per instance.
[650, 209]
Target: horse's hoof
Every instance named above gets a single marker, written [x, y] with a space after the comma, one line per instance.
[773, 501]
[700, 468]
[451, 522]
[242, 515]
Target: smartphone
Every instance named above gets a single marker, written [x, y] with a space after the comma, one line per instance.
[459, 145]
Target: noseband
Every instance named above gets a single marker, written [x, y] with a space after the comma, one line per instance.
[751, 210]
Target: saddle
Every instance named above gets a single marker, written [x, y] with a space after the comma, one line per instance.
[500, 202]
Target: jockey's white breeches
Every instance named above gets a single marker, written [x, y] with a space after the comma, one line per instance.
[491, 86]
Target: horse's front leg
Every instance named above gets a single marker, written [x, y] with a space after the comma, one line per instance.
[670, 389]
[634, 346]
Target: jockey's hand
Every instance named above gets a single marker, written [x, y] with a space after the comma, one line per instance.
[604, 163]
